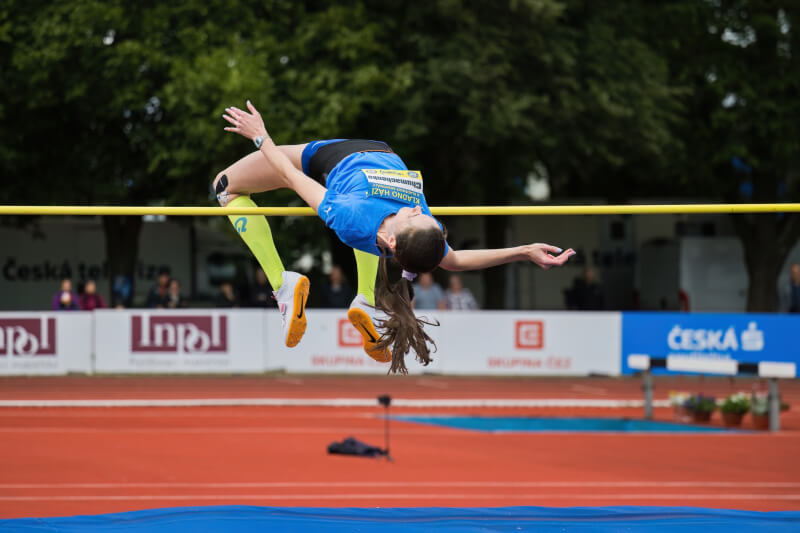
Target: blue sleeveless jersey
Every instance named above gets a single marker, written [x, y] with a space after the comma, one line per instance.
[363, 189]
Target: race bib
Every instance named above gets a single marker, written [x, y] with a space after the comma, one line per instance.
[399, 185]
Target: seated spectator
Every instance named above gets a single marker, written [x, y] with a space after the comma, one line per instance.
[121, 291]
[458, 297]
[337, 292]
[174, 298]
[427, 293]
[226, 298]
[90, 299]
[261, 294]
[65, 299]
[158, 295]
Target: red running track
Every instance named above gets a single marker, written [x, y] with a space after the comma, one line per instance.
[67, 461]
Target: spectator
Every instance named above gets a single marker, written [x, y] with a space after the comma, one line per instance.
[158, 295]
[226, 298]
[789, 295]
[261, 294]
[427, 293]
[65, 299]
[90, 299]
[337, 292]
[458, 297]
[174, 298]
[585, 293]
[121, 291]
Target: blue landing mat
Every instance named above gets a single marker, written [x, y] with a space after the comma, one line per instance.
[521, 424]
[511, 519]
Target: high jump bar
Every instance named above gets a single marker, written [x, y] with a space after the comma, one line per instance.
[656, 209]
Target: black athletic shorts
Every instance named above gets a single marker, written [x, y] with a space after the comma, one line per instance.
[320, 157]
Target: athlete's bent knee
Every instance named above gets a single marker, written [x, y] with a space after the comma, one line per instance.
[219, 188]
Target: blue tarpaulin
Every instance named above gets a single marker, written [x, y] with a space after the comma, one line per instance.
[522, 424]
[246, 519]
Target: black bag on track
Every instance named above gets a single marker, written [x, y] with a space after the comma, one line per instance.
[351, 446]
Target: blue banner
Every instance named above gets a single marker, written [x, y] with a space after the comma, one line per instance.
[744, 337]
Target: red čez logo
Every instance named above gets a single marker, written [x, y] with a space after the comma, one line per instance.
[529, 334]
[349, 335]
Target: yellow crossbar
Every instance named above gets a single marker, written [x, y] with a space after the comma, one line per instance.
[660, 209]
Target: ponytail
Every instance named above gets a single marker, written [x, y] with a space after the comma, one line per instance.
[403, 331]
[416, 251]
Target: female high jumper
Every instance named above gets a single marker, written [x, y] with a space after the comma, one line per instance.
[364, 192]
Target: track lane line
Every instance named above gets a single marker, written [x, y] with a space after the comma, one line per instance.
[340, 402]
[354, 484]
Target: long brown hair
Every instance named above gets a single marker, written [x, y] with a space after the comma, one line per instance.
[417, 251]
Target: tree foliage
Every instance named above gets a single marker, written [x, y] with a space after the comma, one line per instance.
[740, 62]
[501, 87]
[120, 102]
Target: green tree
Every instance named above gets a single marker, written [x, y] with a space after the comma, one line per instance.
[87, 116]
[114, 102]
[498, 87]
[120, 103]
[739, 60]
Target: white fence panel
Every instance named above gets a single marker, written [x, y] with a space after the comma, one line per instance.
[45, 343]
[527, 343]
[232, 341]
[185, 341]
[332, 345]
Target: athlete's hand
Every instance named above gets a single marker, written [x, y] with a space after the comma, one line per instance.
[249, 125]
[547, 256]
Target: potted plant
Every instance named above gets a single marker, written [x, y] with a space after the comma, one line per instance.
[701, 407]
[759, 409]
[678, 402]
[734, 408]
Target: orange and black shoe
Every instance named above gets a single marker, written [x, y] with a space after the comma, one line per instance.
[361, 316]
[292, 298]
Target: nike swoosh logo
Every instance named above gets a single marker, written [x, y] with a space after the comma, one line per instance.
[300, 314]
[371, 338]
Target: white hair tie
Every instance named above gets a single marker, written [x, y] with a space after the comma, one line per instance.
[410, 276]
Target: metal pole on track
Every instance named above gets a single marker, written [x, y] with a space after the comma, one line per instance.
[386, 400]
[647, 377]
[774, 399]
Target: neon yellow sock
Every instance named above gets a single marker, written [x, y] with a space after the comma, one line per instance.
[367, 267]
[254, 231]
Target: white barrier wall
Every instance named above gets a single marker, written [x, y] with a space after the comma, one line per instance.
[519, 343]
[332, 345]
[478, 343]
[45, 343]
[239, 341]
[185, 341]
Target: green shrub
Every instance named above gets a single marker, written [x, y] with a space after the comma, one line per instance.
[736, 403]
[759, 404]
[697, 403]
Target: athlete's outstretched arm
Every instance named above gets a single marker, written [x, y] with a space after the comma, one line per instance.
[541, 254]
[251, 126]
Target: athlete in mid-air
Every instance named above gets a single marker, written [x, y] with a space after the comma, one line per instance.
[364, 192]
